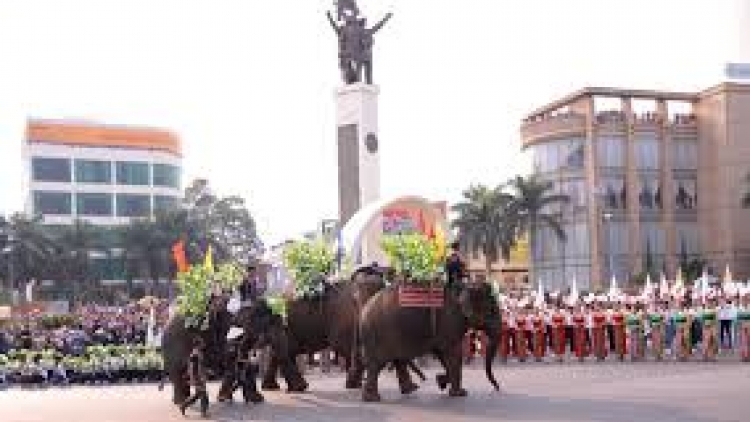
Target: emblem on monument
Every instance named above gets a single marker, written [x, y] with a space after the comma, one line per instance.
[356, 41]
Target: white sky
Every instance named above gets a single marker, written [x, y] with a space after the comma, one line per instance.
[249, 84]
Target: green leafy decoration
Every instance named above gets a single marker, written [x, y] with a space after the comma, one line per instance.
[414, 257]
[309, 263]
[277, 305]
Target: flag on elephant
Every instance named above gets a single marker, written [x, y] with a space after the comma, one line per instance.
[209, 260]
[180, 259]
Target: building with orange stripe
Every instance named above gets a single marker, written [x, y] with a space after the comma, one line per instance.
[103, 174]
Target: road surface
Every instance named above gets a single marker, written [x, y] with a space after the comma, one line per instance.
[608, 392]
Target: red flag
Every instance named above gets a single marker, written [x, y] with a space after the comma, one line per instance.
[180, 259]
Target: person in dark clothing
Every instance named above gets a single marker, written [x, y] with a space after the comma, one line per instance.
[455, 267]
[197, 375]
[247, 374]
[250, 289]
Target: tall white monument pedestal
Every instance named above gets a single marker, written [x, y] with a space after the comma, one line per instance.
[358, 157]
[358, 148]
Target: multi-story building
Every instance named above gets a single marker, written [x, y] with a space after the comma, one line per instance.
[653, 177]
[102, 174]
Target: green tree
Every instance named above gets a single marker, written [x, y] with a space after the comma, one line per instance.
[534, 207]
[484, 223]
[225, 223]
[27, 248]
[76, 247]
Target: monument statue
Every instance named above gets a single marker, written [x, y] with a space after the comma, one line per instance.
[356, 41]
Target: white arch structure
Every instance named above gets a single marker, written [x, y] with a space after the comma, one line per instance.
[360, 237]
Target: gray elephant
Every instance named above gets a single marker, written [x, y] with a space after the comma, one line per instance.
[391, 332]
[330, 322]
[259, 324]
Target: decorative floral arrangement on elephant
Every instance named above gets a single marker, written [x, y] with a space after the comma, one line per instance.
[416, 261]
[309, 264]
[196, 286]
[278, 305]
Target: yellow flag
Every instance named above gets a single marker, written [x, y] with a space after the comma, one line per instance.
[209, 263]
[440, 240]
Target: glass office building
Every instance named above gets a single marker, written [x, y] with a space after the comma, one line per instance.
[654, 178]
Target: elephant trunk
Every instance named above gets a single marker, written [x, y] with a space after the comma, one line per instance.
[493, 340]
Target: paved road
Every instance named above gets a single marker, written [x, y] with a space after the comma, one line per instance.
[610, 392]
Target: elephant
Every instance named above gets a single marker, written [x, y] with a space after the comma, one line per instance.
[390, 332]
[330, 322]
[259, 326]
[178, 340]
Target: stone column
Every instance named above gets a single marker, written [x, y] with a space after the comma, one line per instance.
[632, 184]
[594, 216]
[667, 185]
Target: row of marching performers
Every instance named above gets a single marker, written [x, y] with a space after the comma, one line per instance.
[625, 329]
[98, 365]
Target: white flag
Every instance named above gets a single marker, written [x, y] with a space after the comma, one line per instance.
[30, 291]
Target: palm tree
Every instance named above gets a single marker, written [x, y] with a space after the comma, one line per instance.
[28, 249]
[483, 224]
[533, 206]
[76, 246]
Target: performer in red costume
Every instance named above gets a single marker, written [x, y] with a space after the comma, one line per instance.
[540, 345]
[599, 319]
[579, 335]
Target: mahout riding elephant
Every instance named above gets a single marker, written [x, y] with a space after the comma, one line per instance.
[259, 327]
[390, 332]
[330, 321]
[178, 340]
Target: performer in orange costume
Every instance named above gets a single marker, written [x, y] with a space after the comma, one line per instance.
[540, 345]
[579, 335]
[558, 334]
[599, 340]
[618, 323]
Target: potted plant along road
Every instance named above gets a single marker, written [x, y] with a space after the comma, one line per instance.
[416, 261]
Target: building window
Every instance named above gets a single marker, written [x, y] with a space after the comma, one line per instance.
[685, 155]
[614, 193]
[610, 153]
[94, 204]
[129, 205]
[51, 169]
[166, 175]
[575, 190]
[92, 171]
[685, 195]
[554, 156]
[52, 203]
[653, 245]
[687, 239]
[132, 173]
[647, 154]
[164, 203]
[650, 194]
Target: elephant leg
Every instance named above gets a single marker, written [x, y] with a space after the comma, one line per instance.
[295, 382]
[441, 379]
[355, 372]
[270, 383]
[405, 383]
[180, 388]
[454, 369]
[226, 391]
[370, 391]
